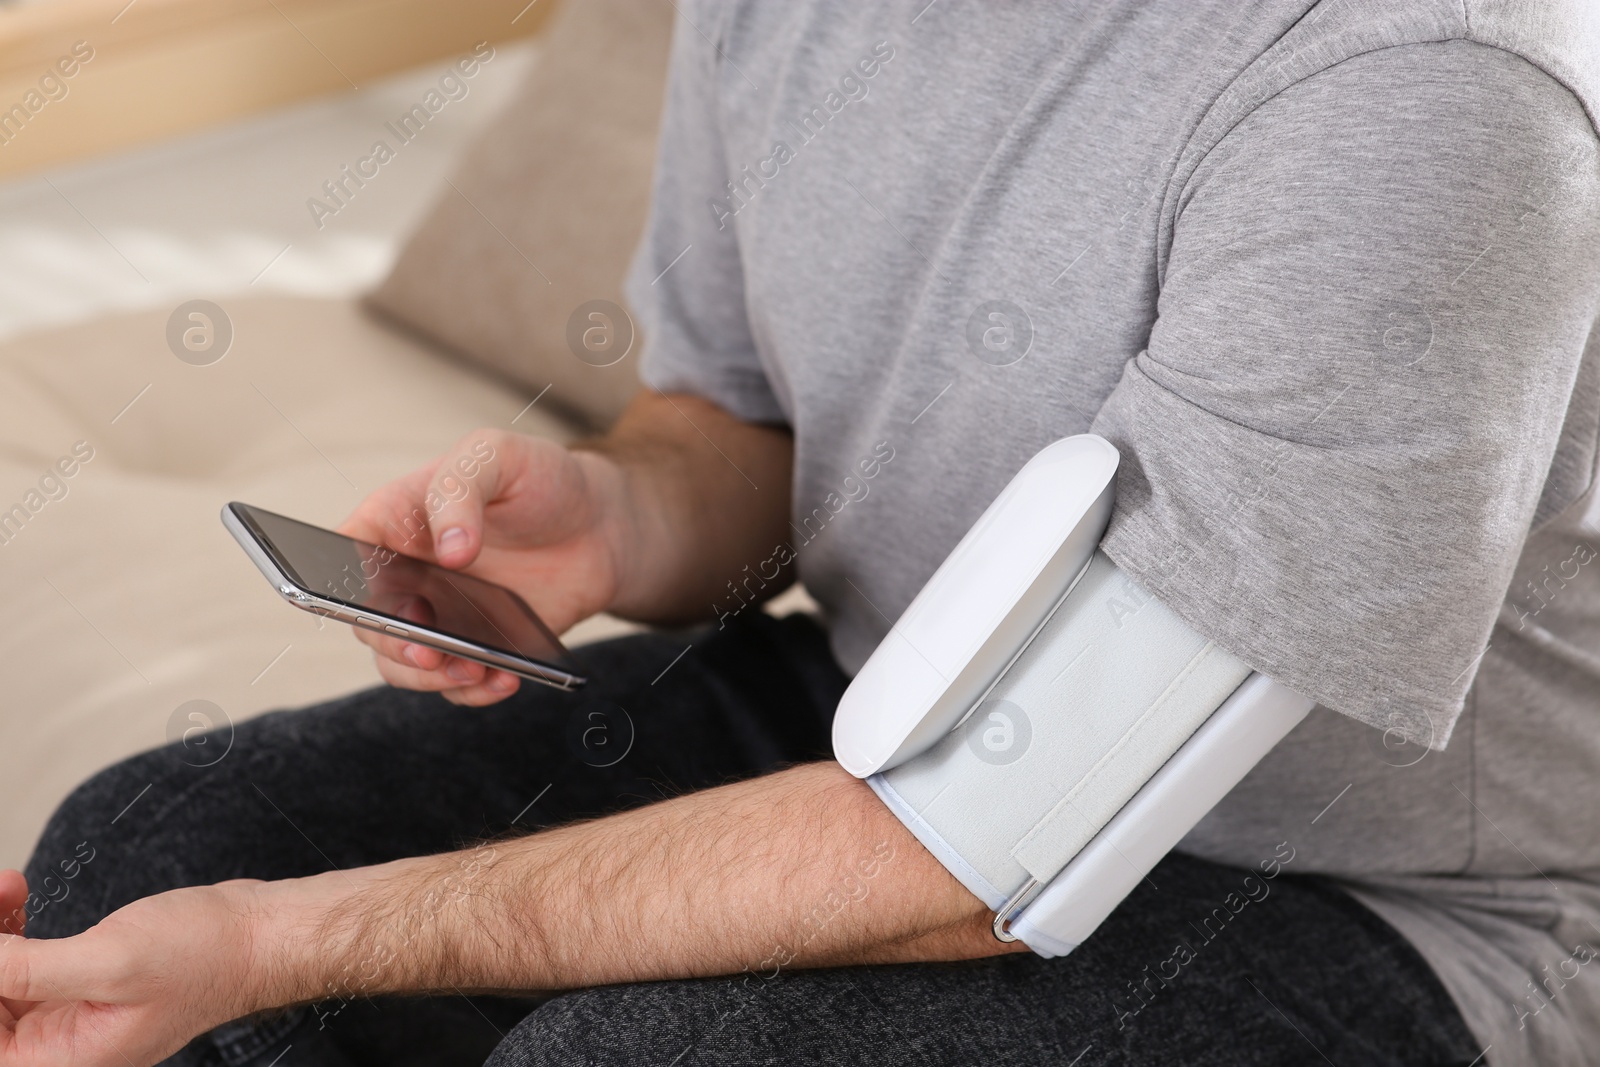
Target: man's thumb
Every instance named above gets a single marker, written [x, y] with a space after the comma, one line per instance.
[47, 970]
[467, 478]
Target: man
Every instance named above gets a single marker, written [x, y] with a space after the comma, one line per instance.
[1324, 273]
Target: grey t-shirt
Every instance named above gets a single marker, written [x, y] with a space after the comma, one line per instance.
[1325, 273]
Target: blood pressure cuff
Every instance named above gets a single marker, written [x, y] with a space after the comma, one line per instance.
[1107, 692]
[1046, 728]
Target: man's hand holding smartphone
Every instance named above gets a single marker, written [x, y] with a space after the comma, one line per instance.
[544, 521]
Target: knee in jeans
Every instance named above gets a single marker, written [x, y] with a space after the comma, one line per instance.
[573, 1029]
[537, 1041]
[638, 1025]
[83, 849]
[73, 840]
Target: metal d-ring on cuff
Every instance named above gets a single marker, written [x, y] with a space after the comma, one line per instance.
[1009, 911]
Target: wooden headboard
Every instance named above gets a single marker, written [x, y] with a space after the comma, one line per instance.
[165, 67]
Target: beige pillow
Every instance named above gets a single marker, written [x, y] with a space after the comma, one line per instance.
[545, 212]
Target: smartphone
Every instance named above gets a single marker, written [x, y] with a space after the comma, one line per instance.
[379, 589]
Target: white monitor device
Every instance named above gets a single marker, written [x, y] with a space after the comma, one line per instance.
[980, 608]
[1133, 727]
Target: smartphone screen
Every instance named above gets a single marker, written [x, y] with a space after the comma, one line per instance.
[405, 589]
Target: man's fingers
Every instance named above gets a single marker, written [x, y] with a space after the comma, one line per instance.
[406, 653]
[429, 659]
[495, 687]
[453, 673]
[424, 658]
[471, 685]
[409, 665]
[13, 902]
[402, 676]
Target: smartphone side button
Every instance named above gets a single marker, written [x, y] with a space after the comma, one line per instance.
[398, 631]
[370, 623]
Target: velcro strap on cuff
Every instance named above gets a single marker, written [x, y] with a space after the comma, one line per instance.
[1111, 686]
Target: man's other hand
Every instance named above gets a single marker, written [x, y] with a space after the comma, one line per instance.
[133, 989]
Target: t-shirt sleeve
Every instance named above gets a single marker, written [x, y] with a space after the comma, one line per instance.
[1376, 297]
[686, 283]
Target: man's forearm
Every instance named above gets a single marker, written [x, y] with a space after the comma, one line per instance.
[704, 494]
[801, 868]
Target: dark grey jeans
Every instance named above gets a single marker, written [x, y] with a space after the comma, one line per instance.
[1305, 976]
